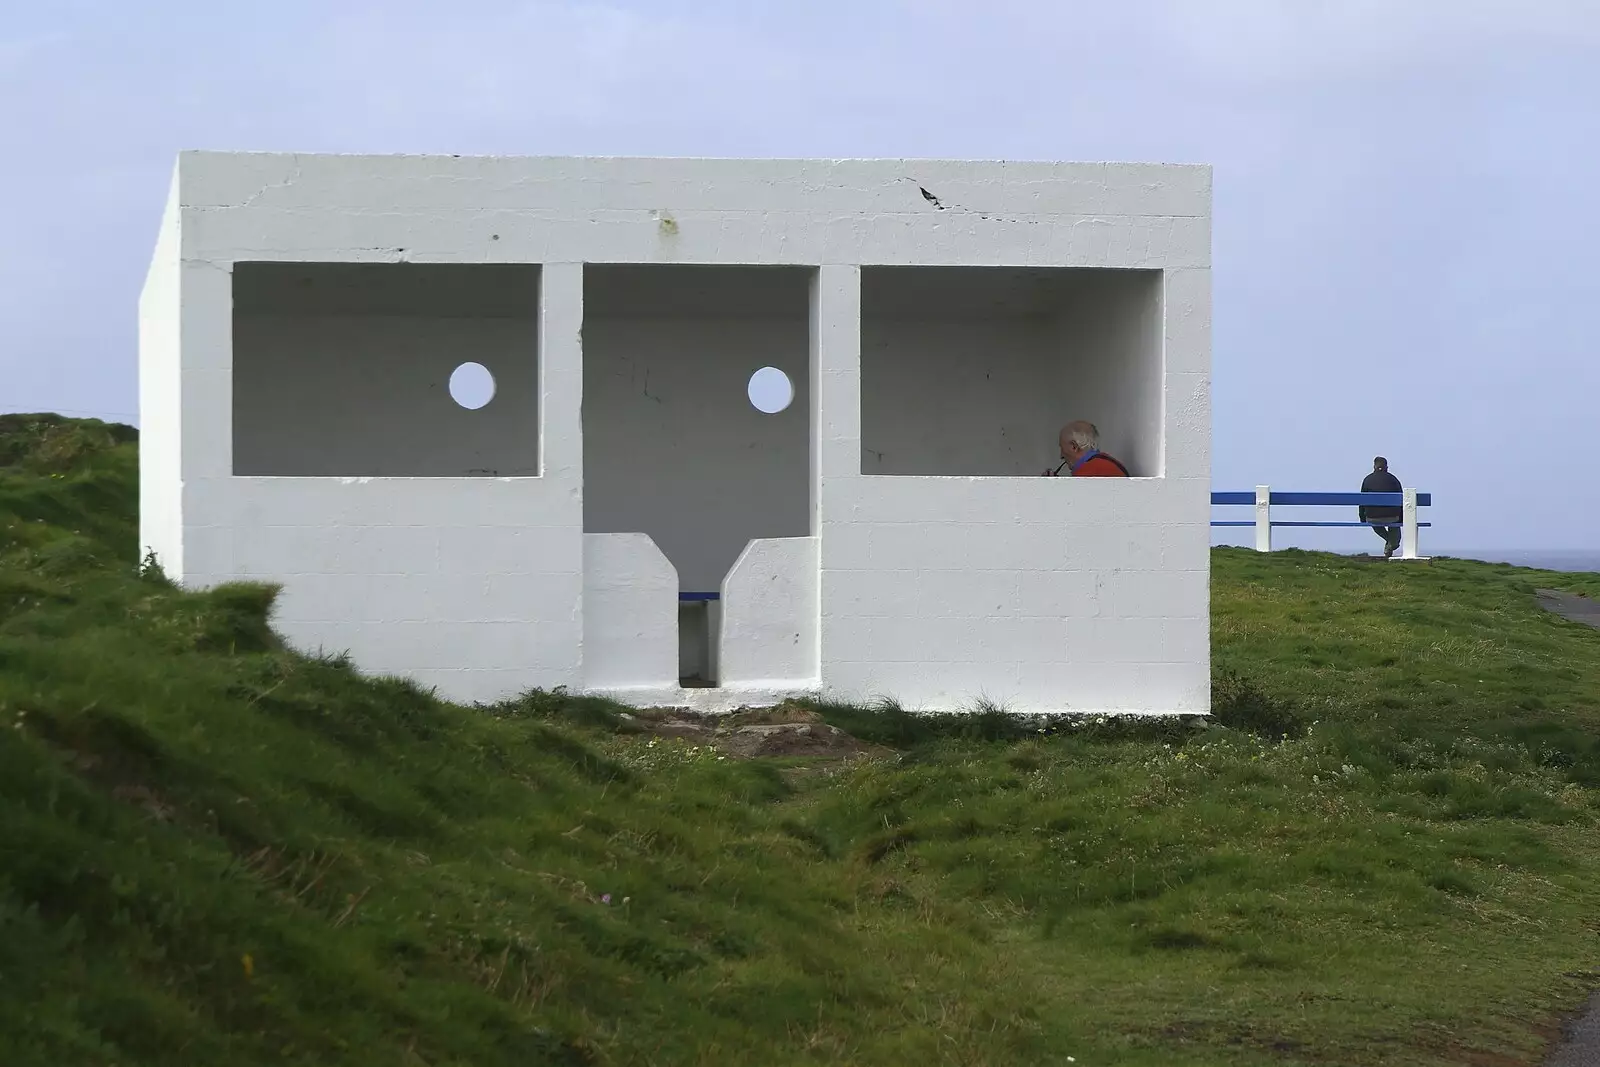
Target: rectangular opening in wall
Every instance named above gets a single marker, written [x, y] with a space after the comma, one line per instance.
[696, 642]
[696, 420]
[385, 370]
[972, 371]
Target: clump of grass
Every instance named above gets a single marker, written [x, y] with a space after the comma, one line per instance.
[1238, 703]
[559, 706]
[55, 446]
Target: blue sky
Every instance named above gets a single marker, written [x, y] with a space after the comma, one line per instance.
[1406, 205]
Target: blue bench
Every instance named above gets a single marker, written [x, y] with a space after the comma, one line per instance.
[697, 598]
[1263, 500]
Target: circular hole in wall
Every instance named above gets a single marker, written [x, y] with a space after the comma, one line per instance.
[770, 390]
[471, 385]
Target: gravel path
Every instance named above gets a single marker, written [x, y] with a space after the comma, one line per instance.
[1580, 1040]
[1571, 606]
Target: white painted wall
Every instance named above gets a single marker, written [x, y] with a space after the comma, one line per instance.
[1039, 594]
[630, 613]
[768, 622]
[1044, 593]
[343, 369]
[471, 584]
[672, 446]
[160, 397]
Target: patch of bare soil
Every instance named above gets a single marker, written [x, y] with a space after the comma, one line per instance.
[786, 731]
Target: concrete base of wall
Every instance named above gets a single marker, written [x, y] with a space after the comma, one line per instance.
[721, 700]
[728, 699]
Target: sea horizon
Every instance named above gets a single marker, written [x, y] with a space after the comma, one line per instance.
[1577, 560]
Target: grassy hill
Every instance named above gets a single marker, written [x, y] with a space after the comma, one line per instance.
[216, 851]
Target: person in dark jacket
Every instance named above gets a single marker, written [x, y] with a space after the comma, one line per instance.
[1386, 519]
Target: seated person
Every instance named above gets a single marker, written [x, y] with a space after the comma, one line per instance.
[1386, 521]
[1081, 455]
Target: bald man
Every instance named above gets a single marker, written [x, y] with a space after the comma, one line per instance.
[1081, 455]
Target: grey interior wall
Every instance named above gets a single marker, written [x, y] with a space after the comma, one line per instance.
[1112, 342]
[343, 369]
[671, 445]
[958, 395]
[972, 371]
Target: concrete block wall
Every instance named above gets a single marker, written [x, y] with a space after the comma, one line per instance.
[1086, 595]
[161, 396]
[767, 627]
[1040, 594]
[1035, 594]
[630, 614]
[470, 584]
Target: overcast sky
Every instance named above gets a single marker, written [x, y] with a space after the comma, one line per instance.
[1406, 194]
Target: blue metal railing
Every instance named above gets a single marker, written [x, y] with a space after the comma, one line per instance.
[1343, 500]
[1264, 500]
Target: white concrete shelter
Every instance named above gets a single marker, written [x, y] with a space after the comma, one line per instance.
[619, 517]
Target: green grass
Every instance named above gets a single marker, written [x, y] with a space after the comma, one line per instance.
[215, 851]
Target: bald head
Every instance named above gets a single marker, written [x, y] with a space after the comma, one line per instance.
[1078, 437]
